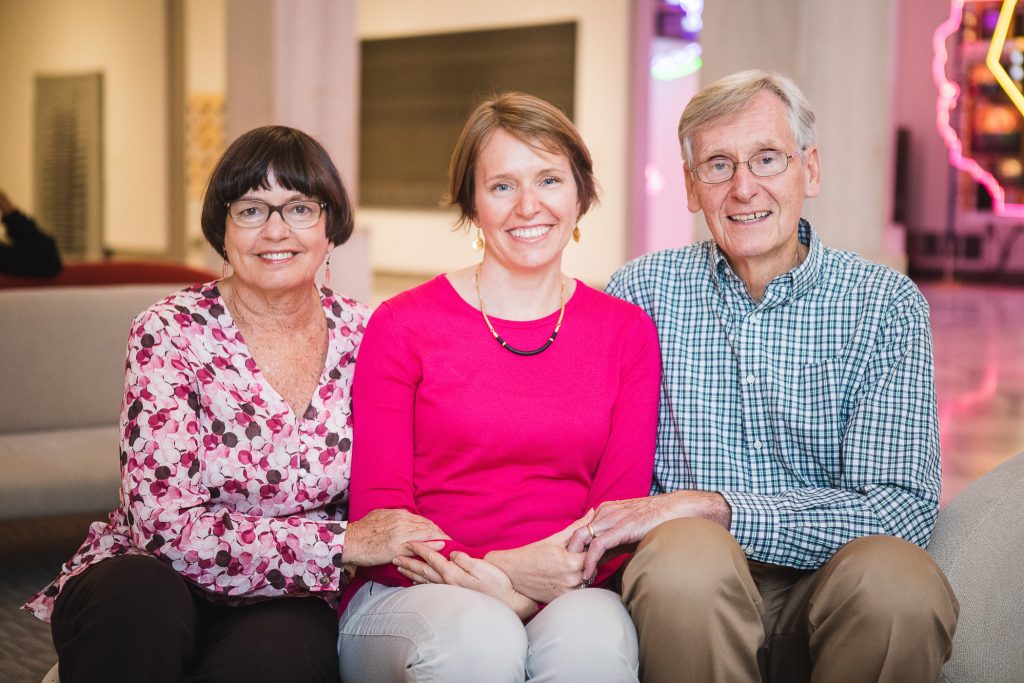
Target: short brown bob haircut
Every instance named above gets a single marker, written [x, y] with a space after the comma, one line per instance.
[298, 162]
[536, 122]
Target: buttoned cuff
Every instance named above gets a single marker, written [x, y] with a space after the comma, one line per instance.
[755, 524]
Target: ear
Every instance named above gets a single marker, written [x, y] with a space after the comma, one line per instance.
[812, 172]
[692, 203]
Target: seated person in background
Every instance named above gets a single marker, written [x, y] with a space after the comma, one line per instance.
[501, 402]
[797, 473]
[28, 252]
[225, 558]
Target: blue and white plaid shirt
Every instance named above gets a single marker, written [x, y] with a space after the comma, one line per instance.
[812, 411]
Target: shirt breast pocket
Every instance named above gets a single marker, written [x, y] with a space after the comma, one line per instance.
[810, 419]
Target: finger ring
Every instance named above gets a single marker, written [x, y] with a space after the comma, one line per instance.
[593, 534]
[586, 582]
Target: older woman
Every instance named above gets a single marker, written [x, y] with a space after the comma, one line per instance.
[228, 546]
[502, 402]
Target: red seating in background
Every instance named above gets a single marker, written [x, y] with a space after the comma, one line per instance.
[113, 273]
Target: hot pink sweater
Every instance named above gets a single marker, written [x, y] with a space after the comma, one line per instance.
[497, 449]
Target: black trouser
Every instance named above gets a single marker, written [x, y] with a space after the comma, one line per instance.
[133, 618]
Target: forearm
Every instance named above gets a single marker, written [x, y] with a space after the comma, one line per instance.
[803, 528]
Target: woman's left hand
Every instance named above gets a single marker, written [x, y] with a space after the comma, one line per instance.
[465, 571]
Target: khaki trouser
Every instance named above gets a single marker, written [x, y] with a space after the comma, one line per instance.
[879, 610]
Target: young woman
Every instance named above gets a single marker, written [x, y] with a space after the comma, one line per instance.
[502, 402]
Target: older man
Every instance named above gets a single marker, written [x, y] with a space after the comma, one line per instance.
[797, 473]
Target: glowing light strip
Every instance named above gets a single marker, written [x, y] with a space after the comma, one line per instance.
[949, 92]
[995, 51]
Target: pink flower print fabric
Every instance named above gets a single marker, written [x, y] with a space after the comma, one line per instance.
[219, 477]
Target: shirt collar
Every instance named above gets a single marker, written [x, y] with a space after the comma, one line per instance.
[793, 284]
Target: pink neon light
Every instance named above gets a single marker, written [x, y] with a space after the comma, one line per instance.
[946, 102]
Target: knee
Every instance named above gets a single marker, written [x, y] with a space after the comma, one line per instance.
[887, 580]
[688, 559]
[456, 634]
[128, 589]
[584, 635]
[489, 639]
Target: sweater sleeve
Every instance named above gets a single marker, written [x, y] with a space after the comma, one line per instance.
[627, 464]
[383, 395]
[171, 512]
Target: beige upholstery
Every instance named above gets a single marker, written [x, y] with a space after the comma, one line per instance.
[51, 676]
[979, 543]
[62, 368]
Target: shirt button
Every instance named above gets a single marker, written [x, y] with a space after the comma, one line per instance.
[324, 580]
[750, 379]
[755, 317]
[758, 444]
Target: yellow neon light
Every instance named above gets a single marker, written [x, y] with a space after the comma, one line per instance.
[995, 51]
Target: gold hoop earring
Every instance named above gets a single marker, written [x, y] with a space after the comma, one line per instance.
[478, 243]
[576, 234]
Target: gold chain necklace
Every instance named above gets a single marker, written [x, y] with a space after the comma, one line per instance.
[505, 344]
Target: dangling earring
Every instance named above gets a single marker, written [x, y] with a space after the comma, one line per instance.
[576, 234]
[225, 270]
[327, 271]
[478, 243]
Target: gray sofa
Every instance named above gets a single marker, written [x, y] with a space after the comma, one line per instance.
[61, 374]
[979, 543]
[62, 370]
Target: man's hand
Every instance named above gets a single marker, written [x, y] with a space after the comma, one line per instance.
[380, 536]
[465, 571]
[619, 525]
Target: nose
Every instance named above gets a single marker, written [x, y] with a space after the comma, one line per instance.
[744, 183]
[527, 204]
[275, 227]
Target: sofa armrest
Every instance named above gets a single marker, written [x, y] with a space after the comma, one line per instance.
[979, 543]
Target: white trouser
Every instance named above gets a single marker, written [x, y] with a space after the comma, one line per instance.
[444, 634]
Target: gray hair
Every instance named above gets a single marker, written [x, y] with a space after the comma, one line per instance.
[727, 96]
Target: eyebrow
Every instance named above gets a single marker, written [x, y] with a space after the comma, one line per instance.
[294, 197]
[762, 146]
[544, 171]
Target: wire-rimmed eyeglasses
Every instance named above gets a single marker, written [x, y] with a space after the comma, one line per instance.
[254, 213]
[764, 164]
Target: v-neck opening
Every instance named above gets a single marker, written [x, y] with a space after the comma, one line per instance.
[257, 371]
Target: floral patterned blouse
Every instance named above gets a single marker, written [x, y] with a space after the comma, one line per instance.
[218, 476]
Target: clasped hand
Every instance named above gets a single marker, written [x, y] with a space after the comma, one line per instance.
[540, 571]
[382, 535]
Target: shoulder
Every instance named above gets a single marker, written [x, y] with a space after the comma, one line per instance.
[850, 276]
[607, 307]
[344, 312]
[193, 306]
[419, 307]
[421, 300]
[660, 282]
[659, 269]
[619, 323]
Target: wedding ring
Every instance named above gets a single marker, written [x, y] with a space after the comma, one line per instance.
[593, 535]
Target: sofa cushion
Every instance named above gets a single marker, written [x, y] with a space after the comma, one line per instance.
[59, 472]
[979, 543]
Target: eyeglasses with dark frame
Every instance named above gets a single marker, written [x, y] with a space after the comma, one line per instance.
[764, 164]
[254, 213]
